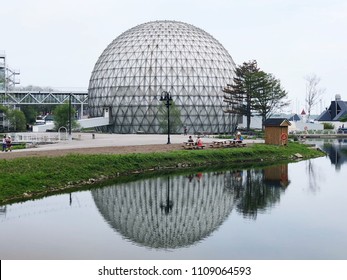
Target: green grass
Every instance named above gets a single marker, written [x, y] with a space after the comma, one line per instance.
[34, 176]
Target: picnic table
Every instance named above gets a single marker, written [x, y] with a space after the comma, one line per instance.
[191, 146]
[237, 143]
[218, 144]
[227, 144]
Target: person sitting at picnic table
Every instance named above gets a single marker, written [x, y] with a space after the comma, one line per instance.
[199, 142]
[190, 139]
[238, 137]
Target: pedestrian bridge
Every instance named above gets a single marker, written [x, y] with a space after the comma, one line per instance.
[18, 97]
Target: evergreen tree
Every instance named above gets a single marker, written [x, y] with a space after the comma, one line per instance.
[254, 92]
[239, 94]
[269, 96]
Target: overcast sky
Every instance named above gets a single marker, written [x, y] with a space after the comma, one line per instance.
[57, 43]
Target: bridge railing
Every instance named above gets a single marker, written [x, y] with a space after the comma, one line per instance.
[46, 137]
[43, 97]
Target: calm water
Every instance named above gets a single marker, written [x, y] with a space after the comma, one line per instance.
[294, 211]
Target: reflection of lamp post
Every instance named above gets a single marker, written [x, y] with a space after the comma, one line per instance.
[166, 96]
[167, 207]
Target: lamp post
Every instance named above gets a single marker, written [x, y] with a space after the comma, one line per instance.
[69, 116]
[166, 96]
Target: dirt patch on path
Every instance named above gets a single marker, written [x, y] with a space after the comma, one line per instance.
[92, 150]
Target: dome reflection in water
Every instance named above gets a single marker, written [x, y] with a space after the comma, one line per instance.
[173, 212]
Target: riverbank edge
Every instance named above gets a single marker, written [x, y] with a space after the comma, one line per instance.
[80, 171]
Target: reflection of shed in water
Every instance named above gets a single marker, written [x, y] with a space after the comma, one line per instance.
[137, 209]
[277, 175]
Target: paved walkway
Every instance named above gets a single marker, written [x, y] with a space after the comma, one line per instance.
[85, 140]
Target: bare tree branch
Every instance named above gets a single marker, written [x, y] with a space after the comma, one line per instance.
[313, 92]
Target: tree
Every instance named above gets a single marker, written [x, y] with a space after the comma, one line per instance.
[313, 92]
[30, 113]
[175, 118]
[269, 96]
[254, 92]
[3, 109]
[61, 117]
[239, 94]
[17, 120]
[35, 88]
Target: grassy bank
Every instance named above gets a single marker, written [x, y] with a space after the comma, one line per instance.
[31, 176]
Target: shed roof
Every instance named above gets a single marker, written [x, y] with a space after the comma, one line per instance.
[277, 122]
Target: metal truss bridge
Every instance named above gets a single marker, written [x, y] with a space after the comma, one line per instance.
[43, 97]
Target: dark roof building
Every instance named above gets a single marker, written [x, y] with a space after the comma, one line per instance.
[295, 118]
[335, 112]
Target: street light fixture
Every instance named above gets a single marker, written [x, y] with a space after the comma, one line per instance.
[166, 96]
[69, 116]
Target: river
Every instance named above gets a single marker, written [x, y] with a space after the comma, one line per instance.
[284, 212]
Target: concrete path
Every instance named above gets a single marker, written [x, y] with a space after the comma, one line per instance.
[85, 140]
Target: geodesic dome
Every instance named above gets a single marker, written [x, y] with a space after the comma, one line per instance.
[159, 56]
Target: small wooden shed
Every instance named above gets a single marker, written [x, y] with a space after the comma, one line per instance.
[276, 131]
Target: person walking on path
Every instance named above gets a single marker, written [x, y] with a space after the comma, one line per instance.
[9, 144]
[4, 144]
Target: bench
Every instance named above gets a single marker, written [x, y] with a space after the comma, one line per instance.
[191, 146]
[218, 144]
[230, 144]
[237, 143]
[241, 145]
[199, 147]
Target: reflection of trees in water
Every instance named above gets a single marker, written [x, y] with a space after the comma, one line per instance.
[257, 190]
[336, 150]
[178, 212]
[2, 210]
[313, 176]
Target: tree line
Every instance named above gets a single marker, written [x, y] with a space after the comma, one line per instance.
[21, 120]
